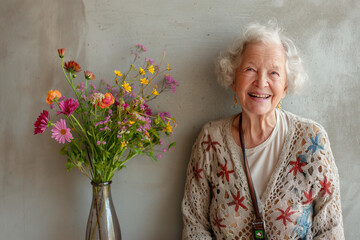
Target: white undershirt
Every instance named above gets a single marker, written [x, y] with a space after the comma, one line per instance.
[263, 158]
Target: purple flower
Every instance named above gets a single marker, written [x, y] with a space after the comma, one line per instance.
[149, 60]
[81, 86]
[141, 47]
[164, 115]
[68, 106]
[93, 86]
[170, 83]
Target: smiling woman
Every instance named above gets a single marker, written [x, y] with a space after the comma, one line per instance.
[263, 173]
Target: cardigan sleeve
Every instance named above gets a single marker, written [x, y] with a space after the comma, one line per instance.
[196, 201]
[327, 220]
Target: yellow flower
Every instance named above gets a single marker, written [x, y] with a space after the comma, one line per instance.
[144, 81]
[168, 128]
[151, 69]
[167, 68]
[142, 71]
[123, 144]
[118, 73]
[126, 86]
[154, 92]
[131, 122]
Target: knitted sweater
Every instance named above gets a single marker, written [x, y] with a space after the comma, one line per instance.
[301, 200]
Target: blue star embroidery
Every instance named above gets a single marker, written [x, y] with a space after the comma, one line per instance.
[315, 144]
[304, 223]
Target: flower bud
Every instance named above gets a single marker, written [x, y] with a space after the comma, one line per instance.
[61, 52]
[89, 75]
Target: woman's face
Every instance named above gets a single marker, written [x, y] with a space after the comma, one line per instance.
[260, 80]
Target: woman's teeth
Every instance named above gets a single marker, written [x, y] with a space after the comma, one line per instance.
[259, 96]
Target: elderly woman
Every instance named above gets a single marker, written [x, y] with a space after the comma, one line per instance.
[292, 188]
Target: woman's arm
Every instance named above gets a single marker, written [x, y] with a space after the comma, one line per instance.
[196, 201]
[327, 221]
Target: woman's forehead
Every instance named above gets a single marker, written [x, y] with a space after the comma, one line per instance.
[270, 53]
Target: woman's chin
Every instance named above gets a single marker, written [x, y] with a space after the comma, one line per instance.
[260, 110]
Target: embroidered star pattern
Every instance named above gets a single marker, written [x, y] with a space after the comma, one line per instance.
[285, 215]
[297, 165]
[315, 144]
[309, 197]
[210, 143]
[325, 186]
[237, 201]
[218, 221]
[198, 171]
[225, 173]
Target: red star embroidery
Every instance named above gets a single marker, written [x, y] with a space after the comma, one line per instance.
[198, 171]
[297, 166]
[225, 172]
[218, 221]
[325, 186]
[285, 215]
[211, 144]
[309, 197]
[237, 201]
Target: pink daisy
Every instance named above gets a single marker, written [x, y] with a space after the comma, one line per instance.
[60, 132]
[68, 106]
[41, 122]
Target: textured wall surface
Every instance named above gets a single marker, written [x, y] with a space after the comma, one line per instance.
[40, 200]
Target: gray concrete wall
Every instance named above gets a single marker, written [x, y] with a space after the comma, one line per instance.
[40, 200]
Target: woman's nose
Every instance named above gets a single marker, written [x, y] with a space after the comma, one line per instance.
[261, 80]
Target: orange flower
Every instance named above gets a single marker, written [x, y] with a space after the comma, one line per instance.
[52, 95]
[72, 66]
[107, 101]
[61, 52]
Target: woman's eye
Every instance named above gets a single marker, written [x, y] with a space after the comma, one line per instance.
[250, 69]
[275, 73]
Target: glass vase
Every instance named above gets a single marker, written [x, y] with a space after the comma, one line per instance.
[102, 223]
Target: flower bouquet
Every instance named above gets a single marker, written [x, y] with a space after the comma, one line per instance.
[104, 127]
[111, 124]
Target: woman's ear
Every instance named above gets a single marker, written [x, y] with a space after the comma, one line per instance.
[285, 91]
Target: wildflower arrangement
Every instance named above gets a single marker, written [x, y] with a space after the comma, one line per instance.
[103, 128]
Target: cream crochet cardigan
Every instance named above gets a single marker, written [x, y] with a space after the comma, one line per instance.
[301, 201]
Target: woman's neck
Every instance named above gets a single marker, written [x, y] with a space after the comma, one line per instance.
[257, 129]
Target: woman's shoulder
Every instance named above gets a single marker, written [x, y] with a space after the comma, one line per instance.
[216, 125]
[217, 129]
[299, 122]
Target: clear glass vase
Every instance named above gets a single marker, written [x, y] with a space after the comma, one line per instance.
[102, 223]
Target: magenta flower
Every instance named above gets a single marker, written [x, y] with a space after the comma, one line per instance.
[171, 83]
[147, 110]
[60, 132]
[68, 106]
[41, 122]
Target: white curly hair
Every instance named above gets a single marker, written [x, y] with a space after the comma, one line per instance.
[228, 61]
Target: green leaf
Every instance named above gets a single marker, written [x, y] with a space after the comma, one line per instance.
[63, 150]
[171, 145]
[69, 165]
